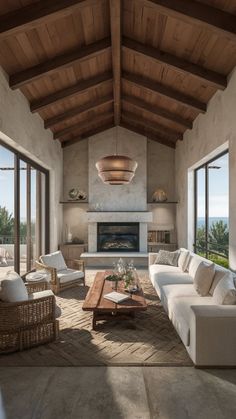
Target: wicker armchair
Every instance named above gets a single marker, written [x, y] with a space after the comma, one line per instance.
[61, 277]
[28, 323]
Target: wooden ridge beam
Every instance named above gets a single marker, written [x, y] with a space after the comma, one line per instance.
[83, 126]
[57, 63]
[155, 110]
[209, 77]
[165, 91]
[79, 110]
[87, 134]
[115, 21]
[141, 130]
[197, 13]
[70, 91]
[167, 134]
[37, 13]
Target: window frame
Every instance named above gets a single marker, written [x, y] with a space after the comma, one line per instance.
[206, 176]
[18, 156]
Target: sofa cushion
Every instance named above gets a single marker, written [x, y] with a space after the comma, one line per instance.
[183, 259]
[225, 292]
[67, 275]
[161, 275]
[180, 314]
[177, 290]
[54, 260]
[13, 288]
[167, 258]
[203, 278]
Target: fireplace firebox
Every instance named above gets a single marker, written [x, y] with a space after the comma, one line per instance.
[118, 237]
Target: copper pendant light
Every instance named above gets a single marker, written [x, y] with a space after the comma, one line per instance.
[116, 169]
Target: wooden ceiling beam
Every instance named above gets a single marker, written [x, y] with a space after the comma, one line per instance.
[155, 110]
[209, 77]
[77, 88]
[83, 126]
[87, 134]
[37, 13]
[57, 63]
[155, 87]
[78, 111]
[197, 13]
[141, 130]
[167, 134]
[115, 22]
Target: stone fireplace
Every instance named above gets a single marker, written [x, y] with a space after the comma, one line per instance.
[118, 237]
[139, 219]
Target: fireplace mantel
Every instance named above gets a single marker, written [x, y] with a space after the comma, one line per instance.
[119, 216]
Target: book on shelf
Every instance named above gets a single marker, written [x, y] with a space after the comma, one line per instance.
[116, 297]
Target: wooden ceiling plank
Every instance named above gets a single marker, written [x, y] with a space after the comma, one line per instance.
[115, 19]
[165, 91]
[155, 110]
[82, 125]
[77, 88]
[145, 132]
[194, 12]
[148, 52]
[38, 13]
[78, 111]
[57, 63]
[163, 132]
[87, 134]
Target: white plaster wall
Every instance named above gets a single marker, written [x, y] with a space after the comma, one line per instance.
[25, 132]
[211, 133]
[120, 197]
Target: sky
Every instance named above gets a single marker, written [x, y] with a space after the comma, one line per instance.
[218, 189]
[7, 185]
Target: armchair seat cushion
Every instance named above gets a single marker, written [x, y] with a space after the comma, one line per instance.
[67, 275]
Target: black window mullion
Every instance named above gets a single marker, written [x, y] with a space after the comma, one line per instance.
[28, 217]
[16, 213]
[206, 209]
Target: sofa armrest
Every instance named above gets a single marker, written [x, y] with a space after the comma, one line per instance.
[151, 258]
[213, 335]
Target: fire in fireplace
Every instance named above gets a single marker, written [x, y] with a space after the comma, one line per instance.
[118, 237]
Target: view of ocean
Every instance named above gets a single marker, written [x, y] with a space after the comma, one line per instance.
[201, 220]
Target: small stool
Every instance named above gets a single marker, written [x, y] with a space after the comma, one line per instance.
[37, 281]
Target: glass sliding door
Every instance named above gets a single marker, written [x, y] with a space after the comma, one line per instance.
[218, 192]
[201, 214]
[7, 254]
[211, 209]
[24, 211]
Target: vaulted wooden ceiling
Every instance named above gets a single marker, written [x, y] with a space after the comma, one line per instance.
[148, 65]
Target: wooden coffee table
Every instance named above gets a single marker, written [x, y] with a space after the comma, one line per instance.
[107, 310]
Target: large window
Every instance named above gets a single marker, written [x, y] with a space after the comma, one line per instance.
[24, 209]
[211, 210]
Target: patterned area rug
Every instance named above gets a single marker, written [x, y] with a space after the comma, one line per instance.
[149, 339]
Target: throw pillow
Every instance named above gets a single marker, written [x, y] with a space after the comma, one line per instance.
[203, 278]
[225, 291]
[183, 259]
[55, 260]
[167, 258]
[13, 288]
[193, 265]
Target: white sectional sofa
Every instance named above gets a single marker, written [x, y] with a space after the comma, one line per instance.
[207, 330]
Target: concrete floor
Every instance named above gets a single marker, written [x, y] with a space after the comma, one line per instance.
[117, 392]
